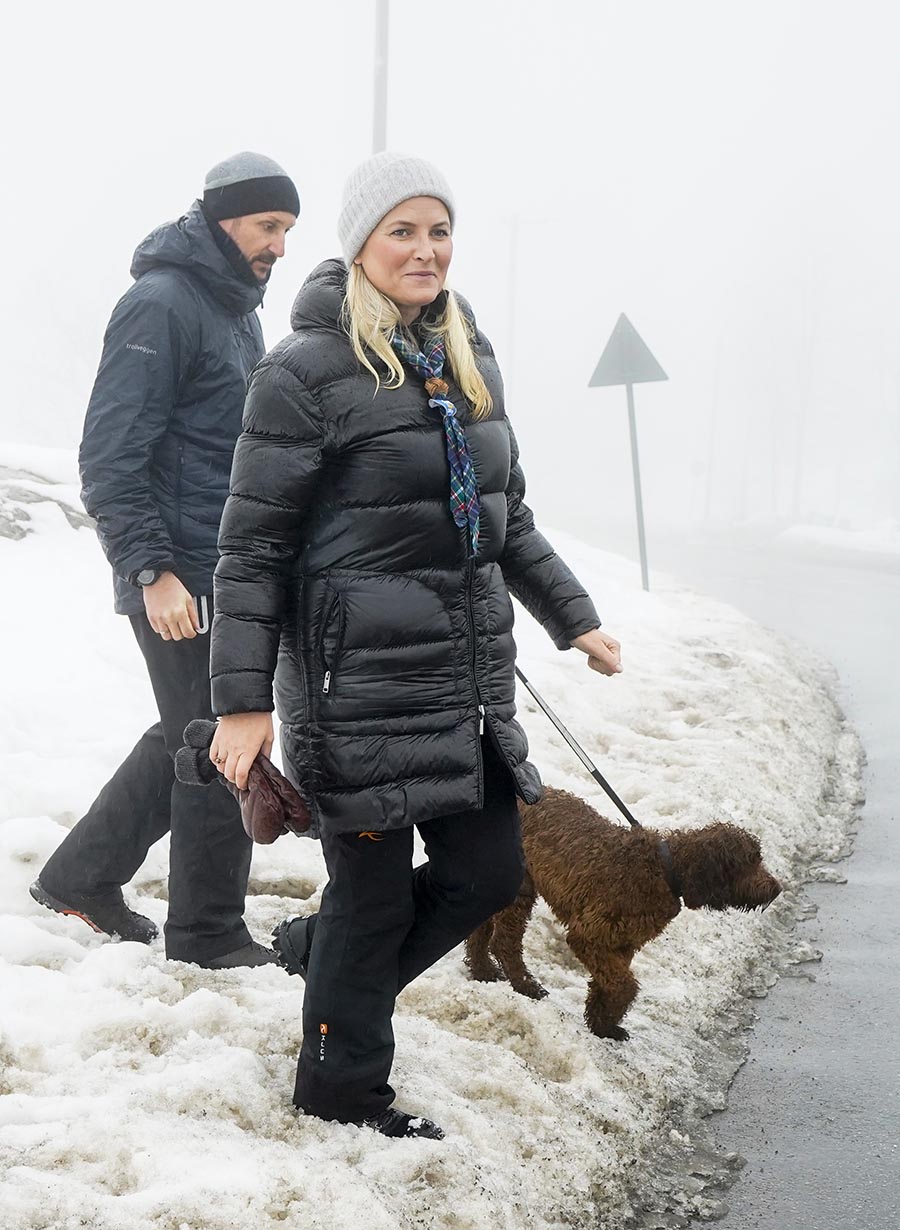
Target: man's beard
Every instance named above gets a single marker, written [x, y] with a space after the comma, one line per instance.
[263, 260]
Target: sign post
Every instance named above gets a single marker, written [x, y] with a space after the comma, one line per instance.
[627, 360]
[379, 110]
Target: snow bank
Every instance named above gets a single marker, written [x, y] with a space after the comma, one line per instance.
[142, 1093]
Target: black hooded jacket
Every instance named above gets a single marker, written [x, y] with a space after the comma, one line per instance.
[165, 410]
[341, 560]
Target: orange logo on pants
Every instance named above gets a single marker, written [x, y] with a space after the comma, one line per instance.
[373, 836]
[323, 1029]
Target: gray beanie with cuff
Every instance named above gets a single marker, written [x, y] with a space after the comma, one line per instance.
[248, 183]
[376, 187]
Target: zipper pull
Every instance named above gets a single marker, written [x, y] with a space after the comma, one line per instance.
[327, 683]
[481, 719]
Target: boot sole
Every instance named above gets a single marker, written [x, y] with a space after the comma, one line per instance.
[42, 897]
[415, 1128]
[285, 952]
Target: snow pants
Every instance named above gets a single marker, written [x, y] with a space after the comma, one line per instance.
[382, 923]
[209, 859]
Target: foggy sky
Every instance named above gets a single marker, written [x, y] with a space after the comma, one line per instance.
[726, 174]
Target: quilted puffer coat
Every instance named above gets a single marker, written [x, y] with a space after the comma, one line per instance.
[341, 561]
[166, 406]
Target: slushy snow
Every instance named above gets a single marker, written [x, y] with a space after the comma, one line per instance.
[137, 1092]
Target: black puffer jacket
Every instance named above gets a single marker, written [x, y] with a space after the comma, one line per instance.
[165, 410]
[338, 543]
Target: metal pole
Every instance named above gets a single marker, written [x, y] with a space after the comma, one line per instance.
[512, 283]
[711, 456]
[635, 465]
[379, 119]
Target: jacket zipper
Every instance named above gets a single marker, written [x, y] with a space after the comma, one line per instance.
[247, 347]
[178, 486]
[470, 617]
[330, 667]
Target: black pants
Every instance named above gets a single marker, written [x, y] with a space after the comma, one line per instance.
[381, 924]
[209, 860]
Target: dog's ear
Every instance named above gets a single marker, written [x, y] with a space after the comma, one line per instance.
[734, 848]
[747, 849]
[711, 859]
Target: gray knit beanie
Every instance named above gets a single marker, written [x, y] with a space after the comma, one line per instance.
[248, 183]
[376, 186]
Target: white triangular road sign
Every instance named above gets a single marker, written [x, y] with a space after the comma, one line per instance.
[626, 359]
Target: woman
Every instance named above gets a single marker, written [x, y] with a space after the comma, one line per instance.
[375, 522]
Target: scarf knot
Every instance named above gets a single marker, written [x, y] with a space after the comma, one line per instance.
[465, 502]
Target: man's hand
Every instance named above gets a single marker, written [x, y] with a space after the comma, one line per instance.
[239, 738]
[603, 651]
[170, 609]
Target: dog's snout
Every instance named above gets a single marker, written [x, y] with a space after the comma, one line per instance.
[773, 891]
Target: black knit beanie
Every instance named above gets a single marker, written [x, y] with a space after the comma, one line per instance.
[248, 183]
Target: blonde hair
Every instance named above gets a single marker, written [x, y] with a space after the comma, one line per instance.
[370, 319]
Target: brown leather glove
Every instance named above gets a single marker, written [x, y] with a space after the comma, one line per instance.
[270, 805]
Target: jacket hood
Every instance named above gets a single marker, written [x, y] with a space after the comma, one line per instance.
[187, 244]
[320, 298]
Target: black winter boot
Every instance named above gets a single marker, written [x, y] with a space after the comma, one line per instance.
[393, 1122]
[291, 942]
[109, 915]
[246, 957]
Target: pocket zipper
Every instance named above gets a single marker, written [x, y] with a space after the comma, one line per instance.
[331, 668]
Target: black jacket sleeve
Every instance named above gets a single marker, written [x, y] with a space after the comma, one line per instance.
[277, 464]
[533, 571]
[146, 351]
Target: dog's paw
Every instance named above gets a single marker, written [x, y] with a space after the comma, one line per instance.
[486, 973]
[616, 1033]
[532, 988]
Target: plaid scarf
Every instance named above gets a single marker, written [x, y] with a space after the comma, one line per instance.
[465, 503]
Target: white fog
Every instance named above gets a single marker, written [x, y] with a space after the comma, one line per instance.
[724, 174]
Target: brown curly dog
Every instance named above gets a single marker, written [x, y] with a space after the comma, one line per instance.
[608, 887]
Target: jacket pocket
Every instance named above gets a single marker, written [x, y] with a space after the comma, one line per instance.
[331, 640]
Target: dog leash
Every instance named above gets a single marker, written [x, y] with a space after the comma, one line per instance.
[580, 752]
[665, 853]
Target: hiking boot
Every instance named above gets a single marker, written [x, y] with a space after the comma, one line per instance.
[393, 1122]
[246, 957]
[291, 942]
[109, 915]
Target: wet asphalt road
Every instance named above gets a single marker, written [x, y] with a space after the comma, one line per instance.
[816, 1108]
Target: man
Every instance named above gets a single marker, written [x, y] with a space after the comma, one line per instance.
[155, 461]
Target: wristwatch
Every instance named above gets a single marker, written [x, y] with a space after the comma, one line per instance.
[148, 576]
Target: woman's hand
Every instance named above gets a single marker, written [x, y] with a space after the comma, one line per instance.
[238, 740]
[170, 609]
[603, 651]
